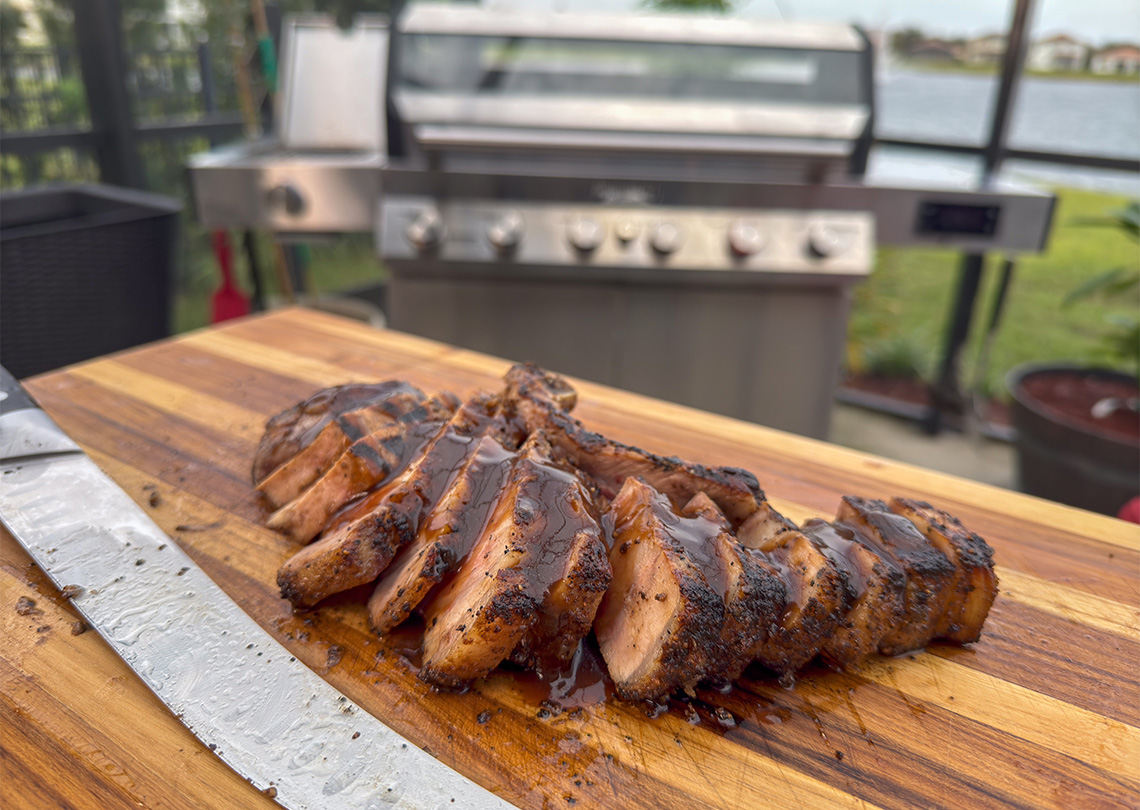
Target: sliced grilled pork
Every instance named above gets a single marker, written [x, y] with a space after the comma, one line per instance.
[295, 428]
[362, 542]
[610, 463]
[577, 578]
[975, 584]
[506, 584]
[659, 624]
[930, 576]
[444, 539]
[817, 598]
[290, 479]
[539, 385]
[876, 587]
[754, 595]
[364, 465]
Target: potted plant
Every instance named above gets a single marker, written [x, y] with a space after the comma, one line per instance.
[1078, 428]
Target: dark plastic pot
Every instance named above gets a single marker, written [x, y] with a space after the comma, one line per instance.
[1067, 461]
[87, 271]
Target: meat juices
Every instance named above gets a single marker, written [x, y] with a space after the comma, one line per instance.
[514, 530]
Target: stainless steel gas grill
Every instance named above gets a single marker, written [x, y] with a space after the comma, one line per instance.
[320, 170]
[673, 205]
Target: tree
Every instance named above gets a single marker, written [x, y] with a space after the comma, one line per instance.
[11, 24]
[906, 40]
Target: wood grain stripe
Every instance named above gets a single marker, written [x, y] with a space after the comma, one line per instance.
[1079, 607]
[1037, 650]
[280, 361]
[176, 399]
[1106, 744]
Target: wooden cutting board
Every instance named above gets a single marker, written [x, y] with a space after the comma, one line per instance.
[1043, 712]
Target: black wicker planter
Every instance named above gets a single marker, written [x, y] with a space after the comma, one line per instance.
[86, 270]
[1065, 460]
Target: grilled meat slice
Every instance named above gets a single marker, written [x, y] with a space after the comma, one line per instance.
[290, 479]
[762, 528]
[538, 384]
[578, 574]
[361, 543]
[754, 595]
[517, 573]
[444, 539]
[610, 463]
[367, 463]
[817, 597]
[975, 584]
[295, 428]
[930, 576]
[876, 587]
[659, 624]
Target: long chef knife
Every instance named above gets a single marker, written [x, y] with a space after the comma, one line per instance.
[269, 717]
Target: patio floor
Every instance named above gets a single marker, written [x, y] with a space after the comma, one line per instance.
[978, 458]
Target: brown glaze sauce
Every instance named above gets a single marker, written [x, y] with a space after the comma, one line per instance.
[441, 463]
[460, 528]
[694, 534]
[837, 542]
[333, 402]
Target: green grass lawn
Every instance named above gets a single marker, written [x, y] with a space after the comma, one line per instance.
[900, 313]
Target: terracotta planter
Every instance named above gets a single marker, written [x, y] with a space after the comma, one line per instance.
[1068, 459]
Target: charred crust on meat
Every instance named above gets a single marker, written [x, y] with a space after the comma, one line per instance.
[523, 580]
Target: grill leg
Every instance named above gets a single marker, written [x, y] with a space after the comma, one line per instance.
[946, 394]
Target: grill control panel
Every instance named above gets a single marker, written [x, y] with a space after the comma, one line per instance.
[791, 241]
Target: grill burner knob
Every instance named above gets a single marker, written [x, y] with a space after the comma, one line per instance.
[285, 197]
[825, 241]
[505, 233]
[626, 230]
[665, 238]
[745, 239]
[585, 235]
[426, 230]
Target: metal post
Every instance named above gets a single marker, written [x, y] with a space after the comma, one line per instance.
[103, 62]
[946, 394]
[206, 73]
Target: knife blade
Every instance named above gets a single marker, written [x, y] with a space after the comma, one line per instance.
[265, 714]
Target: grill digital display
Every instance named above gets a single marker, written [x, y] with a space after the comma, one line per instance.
[948, 218]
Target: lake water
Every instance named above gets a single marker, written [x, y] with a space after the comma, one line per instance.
[1062, 115]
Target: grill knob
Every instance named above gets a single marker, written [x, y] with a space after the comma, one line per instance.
[626, 230]
[585, 235]
[287, 198]
[745, 239]
[426, 230]
[665, 238]
[825, 241]
[505, 233]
